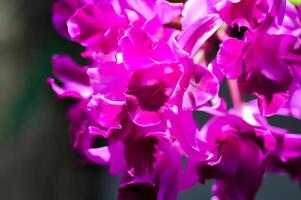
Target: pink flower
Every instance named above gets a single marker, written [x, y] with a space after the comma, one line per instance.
[154, 65]
[238, 159]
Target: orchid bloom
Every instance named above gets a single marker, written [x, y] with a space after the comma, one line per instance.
[154, 64]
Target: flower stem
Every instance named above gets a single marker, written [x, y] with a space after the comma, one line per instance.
[235, 94]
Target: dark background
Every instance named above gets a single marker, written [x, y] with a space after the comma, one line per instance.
[36, 158]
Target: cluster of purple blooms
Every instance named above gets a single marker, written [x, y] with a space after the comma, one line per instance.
[153, 64]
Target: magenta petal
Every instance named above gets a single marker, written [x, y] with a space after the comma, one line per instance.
[71, 92]
[146, 118]
[229, 57]
[117, 161]
[105, 112]
[75, 81]
[269, 105]
[139, 51]
[140, 116]
[154, 174]
[278, 10]
[274, 47]
[109, 79]
[289, 49]
[193, 11]
[185, 129]
[195, 35]
[140, 152]
[88, 27]
[291, 146]
[154, 85]
[295, 106]
[248, 13]
[62, 11]
[271, 95]
[287, 157]
[169, 167]
[95, 131]
[67, 70]
[144, 8]
[203, 86]
[149, 90]
[168, 11]
[216, 70]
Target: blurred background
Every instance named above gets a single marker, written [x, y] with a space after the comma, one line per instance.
[36, 158]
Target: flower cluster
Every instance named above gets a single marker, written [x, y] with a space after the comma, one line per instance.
[154, 64]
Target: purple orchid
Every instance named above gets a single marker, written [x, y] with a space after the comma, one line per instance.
[270, 69]
[240, 151]
[153, 64]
